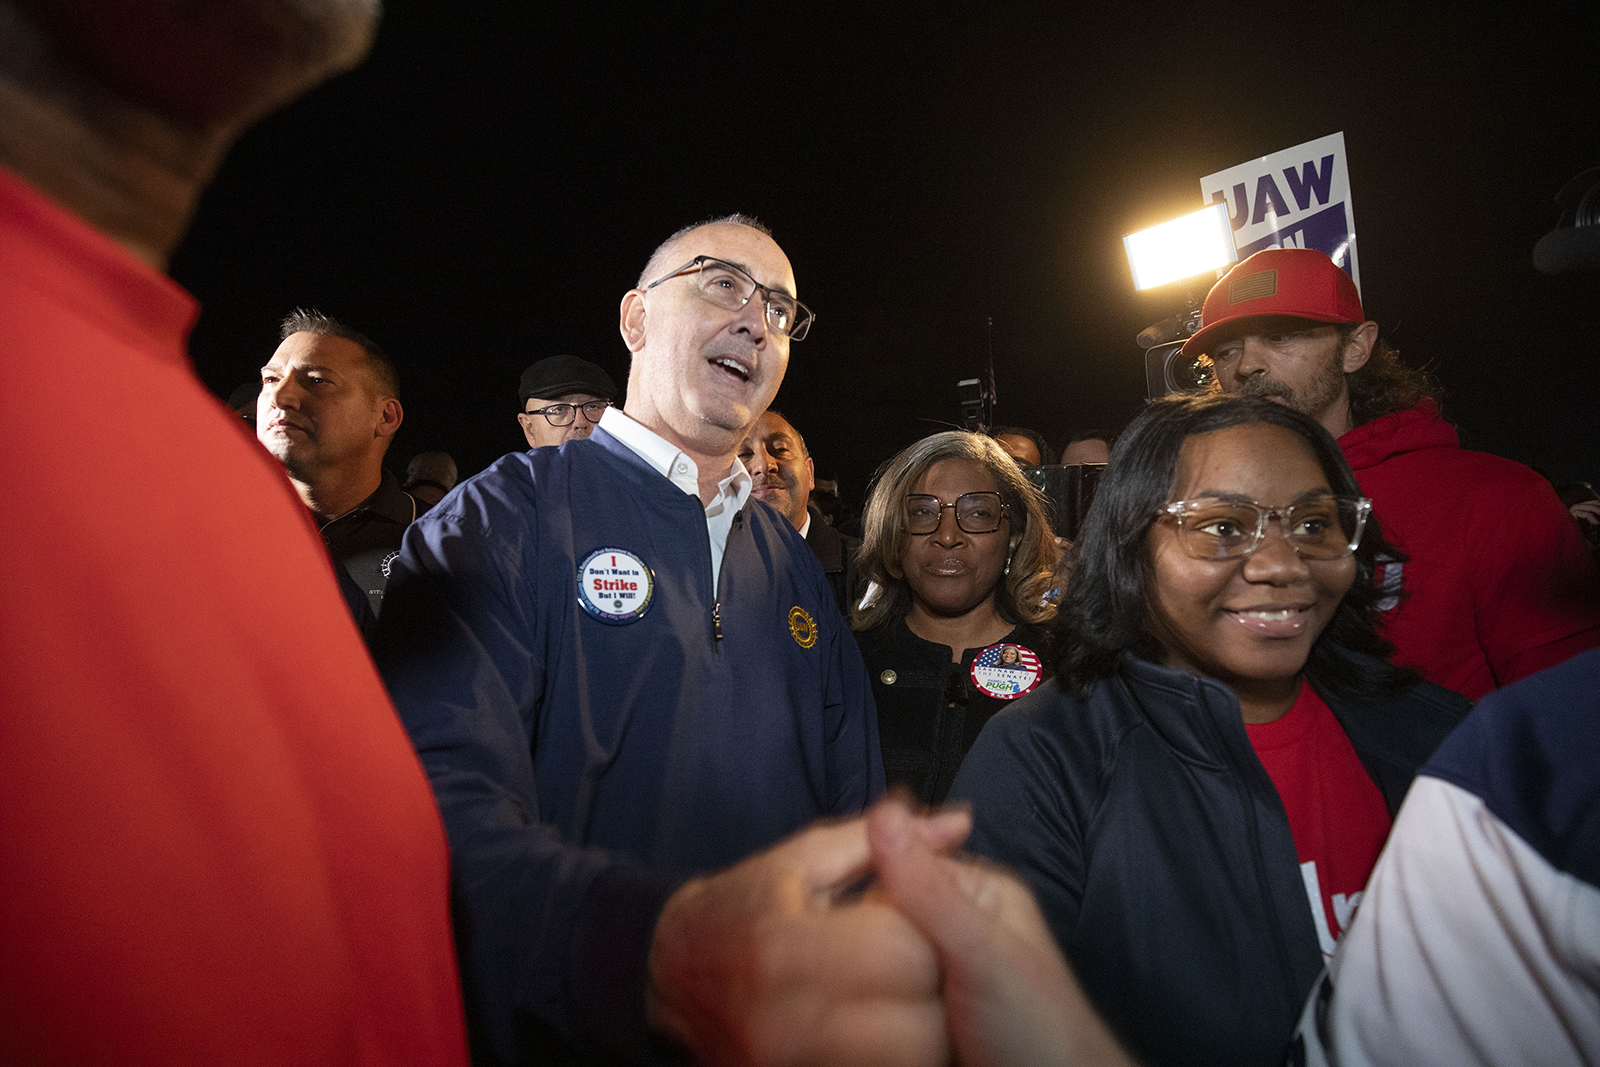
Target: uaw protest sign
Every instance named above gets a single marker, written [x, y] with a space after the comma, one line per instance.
[1297, 198]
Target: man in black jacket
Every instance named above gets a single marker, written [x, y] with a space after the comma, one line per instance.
[783, 475]
[328, 411]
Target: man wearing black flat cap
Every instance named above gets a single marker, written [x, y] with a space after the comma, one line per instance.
[562, 398]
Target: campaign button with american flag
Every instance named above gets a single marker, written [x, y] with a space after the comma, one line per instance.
[1006, 671]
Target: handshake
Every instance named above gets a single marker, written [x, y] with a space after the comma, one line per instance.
[783, 959]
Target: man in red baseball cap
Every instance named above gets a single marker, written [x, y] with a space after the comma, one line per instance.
[1497, 583]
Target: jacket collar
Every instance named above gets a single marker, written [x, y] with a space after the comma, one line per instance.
[1197, 717]
[391, 501]
[1402, 431]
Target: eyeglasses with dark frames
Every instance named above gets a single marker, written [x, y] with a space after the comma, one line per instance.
[727, 286]
[976, 513]
[563, 414]
[1322, 528]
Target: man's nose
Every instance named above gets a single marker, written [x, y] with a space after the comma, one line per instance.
[1252, 358]
[283, 393]
[759, 460]
[752, 318]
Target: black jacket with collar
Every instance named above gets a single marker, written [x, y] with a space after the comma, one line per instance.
[365, 540]
[929, 711]
[1161, 853]
[837, 554]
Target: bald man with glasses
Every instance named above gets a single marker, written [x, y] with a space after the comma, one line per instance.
[625, 682]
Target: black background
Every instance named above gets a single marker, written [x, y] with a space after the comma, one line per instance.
[485, 188]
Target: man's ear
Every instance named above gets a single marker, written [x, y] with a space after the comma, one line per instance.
[391, 415]
[1359, 348]
[631, 323]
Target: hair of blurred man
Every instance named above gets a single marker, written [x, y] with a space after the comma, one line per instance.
[1020, 594]
[1027, 447]
[1090, 446]
[242, 401]
[1385, 385]
[430, 475]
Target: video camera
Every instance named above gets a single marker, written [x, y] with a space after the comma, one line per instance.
[1166, 369]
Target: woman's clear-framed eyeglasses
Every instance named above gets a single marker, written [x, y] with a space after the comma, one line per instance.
[1324, 527]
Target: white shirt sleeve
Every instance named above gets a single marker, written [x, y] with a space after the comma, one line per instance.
[1468, 948]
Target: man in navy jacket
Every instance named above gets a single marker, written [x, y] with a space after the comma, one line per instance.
[620, 676]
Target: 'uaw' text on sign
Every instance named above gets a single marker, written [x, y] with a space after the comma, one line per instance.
[1297, 198]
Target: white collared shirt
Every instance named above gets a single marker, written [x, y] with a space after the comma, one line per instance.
[671, 463]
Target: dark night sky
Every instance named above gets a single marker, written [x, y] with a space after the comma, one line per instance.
[484, 189]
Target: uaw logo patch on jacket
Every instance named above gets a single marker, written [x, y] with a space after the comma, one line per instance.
[1005, 671]
[614, 585]
[802, 627]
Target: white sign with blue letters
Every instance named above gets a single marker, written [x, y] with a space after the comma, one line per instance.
[1297, 198]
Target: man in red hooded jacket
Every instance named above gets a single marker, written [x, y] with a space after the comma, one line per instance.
[1498, 583]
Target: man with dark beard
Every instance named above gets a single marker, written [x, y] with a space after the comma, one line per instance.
[1496, 583]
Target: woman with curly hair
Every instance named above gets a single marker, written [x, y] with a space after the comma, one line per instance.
[959, 554]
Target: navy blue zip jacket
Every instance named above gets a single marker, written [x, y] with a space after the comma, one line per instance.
[585, 766]
[1161, 853]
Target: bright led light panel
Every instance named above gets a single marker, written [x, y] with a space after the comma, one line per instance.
[1181, 248]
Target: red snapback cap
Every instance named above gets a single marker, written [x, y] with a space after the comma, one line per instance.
[1298, 282]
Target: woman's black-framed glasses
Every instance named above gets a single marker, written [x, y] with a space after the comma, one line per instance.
[563, 414]
[976, 513]
[729, 287]
[1324, 527]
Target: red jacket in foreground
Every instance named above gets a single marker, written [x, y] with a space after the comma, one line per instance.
[216, 844]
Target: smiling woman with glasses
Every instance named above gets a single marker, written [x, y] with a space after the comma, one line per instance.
[959, 553]
[1198, 795]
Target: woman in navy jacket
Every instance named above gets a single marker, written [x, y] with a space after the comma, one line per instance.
[1223, 586]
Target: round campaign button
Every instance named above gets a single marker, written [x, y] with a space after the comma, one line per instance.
[1006, 671]
[614, 585]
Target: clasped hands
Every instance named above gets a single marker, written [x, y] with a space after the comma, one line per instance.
[785, 958]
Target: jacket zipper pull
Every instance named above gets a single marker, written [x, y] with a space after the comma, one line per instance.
[716, 620]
